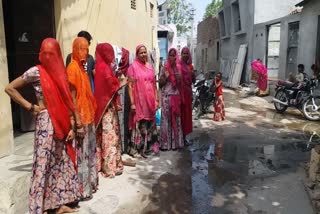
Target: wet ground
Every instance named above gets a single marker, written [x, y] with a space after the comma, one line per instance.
[253, 162]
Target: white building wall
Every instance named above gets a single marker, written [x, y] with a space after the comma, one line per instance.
[266, 10]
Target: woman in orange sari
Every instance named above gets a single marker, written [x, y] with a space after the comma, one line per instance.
[85, 110]
[106, 119]
[54, 181]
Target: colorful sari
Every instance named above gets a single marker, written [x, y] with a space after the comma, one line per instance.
[86, 106]
[186, 107]
[219, 113]
[260, 72]
[142, 121]
[171, 134]
[109, 161]
[54, 180]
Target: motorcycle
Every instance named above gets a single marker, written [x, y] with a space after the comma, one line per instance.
[203, 98]
[299, 95]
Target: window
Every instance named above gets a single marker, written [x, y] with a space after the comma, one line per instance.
[133, 4]
[222, 24]
[236, 16]
[202, 58]
[206, 56]
[151, 10]
[293, 34]
[218, 51]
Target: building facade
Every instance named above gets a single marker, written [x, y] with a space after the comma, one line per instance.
[298, 40]
[208, 45]
[122, 23]
[237, 19]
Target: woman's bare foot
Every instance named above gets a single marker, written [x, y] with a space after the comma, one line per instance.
[65, 209]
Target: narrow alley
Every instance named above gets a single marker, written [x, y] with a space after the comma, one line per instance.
[253, 162]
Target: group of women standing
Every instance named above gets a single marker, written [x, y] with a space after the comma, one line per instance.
[176, 99]
[77, 130]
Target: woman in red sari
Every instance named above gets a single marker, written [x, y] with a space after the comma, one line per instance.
[219, 113]
[186, 107]
[54, 181]
[106, 85]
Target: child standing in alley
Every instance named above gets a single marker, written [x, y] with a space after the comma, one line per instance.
[219, 113]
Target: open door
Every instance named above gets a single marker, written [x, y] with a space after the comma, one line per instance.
[27, 23]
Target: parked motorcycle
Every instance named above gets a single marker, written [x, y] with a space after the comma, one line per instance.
[299, 95]
[203, 97]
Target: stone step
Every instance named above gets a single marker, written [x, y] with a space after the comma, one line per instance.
[15, 176]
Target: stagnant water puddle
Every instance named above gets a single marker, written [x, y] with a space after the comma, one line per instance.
[219, 161]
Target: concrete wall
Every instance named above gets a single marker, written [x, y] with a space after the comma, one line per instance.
[260, 42]
[231, 42]
[208, 37]
[308, 34]
[254, 12]
[6, 130]
[107, 21]
[272, 9]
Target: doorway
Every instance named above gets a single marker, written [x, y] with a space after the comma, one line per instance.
[273, 50]
[27, 23]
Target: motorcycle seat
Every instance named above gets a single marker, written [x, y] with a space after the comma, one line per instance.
[286, 84]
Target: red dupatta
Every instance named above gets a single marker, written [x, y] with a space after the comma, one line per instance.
[106, 83]
[56, 91]
[175, 101]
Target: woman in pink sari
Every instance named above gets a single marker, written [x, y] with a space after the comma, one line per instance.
[260, 73]
[171, 135]
[144, 102]
[186, 107]
[106, 85]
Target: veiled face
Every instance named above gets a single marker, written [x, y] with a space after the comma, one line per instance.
[172, 57]
[185, 56]
[50, 53]
[142, 55]
[80, 49]
[47, 51]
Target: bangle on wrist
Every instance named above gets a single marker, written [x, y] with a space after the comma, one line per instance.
[79, 126]
[32, 107]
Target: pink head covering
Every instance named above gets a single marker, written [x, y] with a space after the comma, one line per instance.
[262, 72]
[186, 49]
[168, 66]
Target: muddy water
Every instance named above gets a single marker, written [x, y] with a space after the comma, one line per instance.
[228, 158]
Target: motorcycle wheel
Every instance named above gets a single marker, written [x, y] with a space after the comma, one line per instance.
[280, 95]
[310, 111]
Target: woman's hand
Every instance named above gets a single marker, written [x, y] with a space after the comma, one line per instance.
[123, 82]
[133, 108]
[70, 135]
[166, 74]
[157, 104]
[36, 110]
[80, 132]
